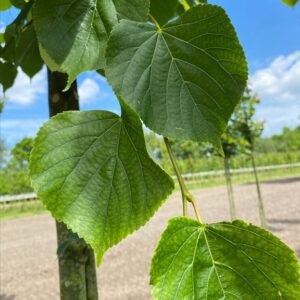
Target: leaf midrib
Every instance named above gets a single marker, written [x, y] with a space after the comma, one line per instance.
[213, 265]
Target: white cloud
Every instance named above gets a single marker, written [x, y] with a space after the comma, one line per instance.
[278, 86]
[276, 117]
[26, 91]
[89, 91]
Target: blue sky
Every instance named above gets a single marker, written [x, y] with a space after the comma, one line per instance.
[269, 32]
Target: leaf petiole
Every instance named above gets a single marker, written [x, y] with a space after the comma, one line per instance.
[186, 195]
[153, 20]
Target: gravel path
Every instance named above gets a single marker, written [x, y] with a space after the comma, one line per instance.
[28, 265]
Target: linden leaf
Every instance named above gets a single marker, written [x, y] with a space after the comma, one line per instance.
[74, 33]
[93, 172]
[183, 79]
[223, 261]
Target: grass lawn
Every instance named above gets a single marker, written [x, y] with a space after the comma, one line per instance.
[21, 209]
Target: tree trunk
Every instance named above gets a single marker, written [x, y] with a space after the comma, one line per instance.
[229, 189]
[91, 276]
[77, 272]
[261, 208]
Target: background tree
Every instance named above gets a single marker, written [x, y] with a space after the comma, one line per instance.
[21, 152]
[3, 153]
[3, 147]
[250, 130]
[287, 141]
[230, 149]
[231, 144]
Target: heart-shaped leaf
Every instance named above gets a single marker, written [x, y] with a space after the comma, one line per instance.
[223, 261]
[93, 172]
[74, 33]
[183, 79]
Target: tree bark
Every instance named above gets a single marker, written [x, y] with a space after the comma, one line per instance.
[77, 272]
[229, 189]
[261, 208]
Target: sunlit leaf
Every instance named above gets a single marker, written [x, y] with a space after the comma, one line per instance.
[223, 261]
[93, 172]
[184, 79]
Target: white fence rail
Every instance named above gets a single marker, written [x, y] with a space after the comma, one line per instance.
[239, 171]
[33, 196]
[15, 198]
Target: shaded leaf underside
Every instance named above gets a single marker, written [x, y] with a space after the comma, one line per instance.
[8, 73]
[163, 11]
[74, 33]
[27, 53]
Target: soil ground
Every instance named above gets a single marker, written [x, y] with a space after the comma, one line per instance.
[28, 264]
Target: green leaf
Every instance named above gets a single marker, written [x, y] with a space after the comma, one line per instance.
[223, 261]
[11, 34]
[78, 32]
[290, 2]
[27, 52]
[4, 5]
[21, 48]
[163, 11]
[8, 74]
[2, 38]
[93, 172]
[184, 79]
[18, 3]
